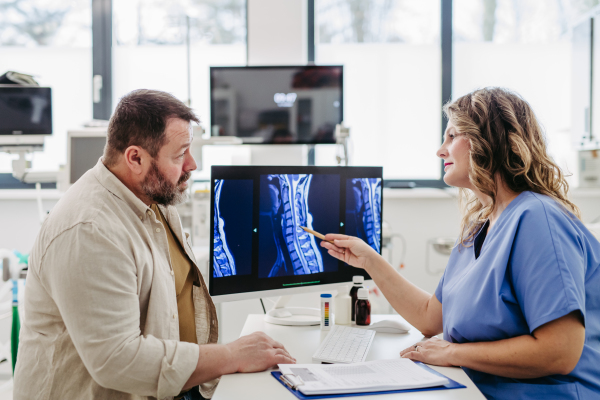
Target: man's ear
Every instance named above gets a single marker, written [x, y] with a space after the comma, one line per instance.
[136, 159]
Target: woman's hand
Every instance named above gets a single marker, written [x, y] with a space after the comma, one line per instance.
[350, 249]
[432, 351]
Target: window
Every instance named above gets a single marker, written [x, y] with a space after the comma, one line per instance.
[392, 80]
[524, 46]
[149, 49]
[52, 40]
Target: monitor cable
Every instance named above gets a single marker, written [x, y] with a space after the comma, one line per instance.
[263, 306]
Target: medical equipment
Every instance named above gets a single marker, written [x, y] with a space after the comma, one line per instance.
[589, 168]
[13, 265]
[84, 147]
[25, 121]
[258, 246]
[441, 246]
[363, 307]
[327, 308]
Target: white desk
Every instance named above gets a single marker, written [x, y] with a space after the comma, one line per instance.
[302, 341]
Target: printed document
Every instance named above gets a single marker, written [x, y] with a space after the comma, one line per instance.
[370, 376]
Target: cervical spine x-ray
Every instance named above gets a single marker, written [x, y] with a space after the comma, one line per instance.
[366, 193]
[297, 251]
[224, 262]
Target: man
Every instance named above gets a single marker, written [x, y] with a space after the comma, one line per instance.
[115, 306]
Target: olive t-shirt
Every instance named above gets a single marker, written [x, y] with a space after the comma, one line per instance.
[184, 282]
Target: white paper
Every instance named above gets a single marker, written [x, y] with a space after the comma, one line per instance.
[368, 376]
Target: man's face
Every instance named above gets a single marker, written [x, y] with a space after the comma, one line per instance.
[166, 180]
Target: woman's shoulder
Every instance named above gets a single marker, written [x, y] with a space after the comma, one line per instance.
[536, 205]
[546, 214]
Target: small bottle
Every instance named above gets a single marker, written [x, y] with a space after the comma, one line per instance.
[343, 306]
[326, 311]
[363, 307]
[358, 281]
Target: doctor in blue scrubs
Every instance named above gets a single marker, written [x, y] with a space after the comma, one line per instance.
[519, 302]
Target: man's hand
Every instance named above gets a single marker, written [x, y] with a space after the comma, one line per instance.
[258, 352]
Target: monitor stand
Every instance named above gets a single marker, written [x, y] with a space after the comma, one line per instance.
[282, 315]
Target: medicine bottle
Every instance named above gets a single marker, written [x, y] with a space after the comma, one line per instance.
[358, 283]
[363, 308]
[343, 306]
[326, 311]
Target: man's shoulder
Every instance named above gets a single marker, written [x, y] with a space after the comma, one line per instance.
[86, 203]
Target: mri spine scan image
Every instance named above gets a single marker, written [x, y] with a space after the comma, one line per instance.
[297, 251]
[223, 259]
[364, 210]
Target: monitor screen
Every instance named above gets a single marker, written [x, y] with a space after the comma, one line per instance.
[277, 105]
[257, 215]
[25, 110]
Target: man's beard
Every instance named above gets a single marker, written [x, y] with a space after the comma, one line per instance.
[158, 189]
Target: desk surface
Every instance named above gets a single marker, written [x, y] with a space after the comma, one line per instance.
[302, 341]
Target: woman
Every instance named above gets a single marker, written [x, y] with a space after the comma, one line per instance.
[519, 302]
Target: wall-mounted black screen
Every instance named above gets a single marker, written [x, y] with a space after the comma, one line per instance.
[25, 110]
[277, 105]
[257, 212]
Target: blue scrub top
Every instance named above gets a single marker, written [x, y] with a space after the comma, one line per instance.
[536, 264]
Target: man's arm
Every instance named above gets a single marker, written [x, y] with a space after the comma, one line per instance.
[94, 285]
[252, 353]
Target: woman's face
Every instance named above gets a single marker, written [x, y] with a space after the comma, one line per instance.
[455, 153]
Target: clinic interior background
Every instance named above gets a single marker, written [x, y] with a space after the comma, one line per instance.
[391, 52]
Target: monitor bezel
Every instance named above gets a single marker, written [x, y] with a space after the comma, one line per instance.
[246, 172]
[29, 132]
[250, 138]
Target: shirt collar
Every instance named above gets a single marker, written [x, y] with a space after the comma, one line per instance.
[118, 188]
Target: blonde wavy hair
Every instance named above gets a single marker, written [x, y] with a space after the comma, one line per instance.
[506, 140]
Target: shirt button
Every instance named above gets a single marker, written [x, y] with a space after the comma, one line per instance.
[213, 321]
[141, 217]
[149, 212]
[172, 273]
[157, 229]
[174, 316]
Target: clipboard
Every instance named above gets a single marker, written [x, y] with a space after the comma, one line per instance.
[292, 387]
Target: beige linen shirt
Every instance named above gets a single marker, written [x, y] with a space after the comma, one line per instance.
[100, 318]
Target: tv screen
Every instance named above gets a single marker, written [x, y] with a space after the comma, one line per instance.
[257, 214]
[277, 105]
[25, 110]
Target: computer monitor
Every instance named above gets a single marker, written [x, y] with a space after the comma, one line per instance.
[277, 105]
[84, 147]
[25, 115]
[259, 249]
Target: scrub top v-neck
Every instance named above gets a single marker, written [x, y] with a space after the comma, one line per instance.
[536, 264]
